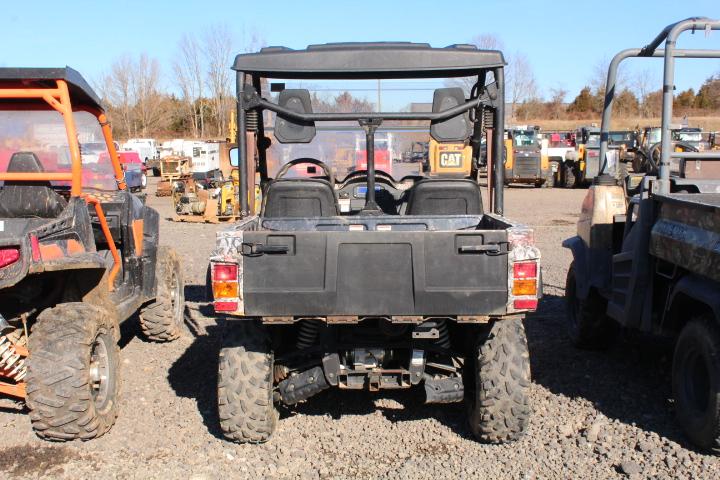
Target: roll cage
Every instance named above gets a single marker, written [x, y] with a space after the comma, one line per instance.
[669, 36]
[65, 91]
[353, 61]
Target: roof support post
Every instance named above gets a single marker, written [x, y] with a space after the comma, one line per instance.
[242, 144]
[498, 137]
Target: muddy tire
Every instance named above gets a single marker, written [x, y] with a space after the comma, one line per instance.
[587, 324]
[162, 319]
[245, 384]
[696, 382]
[498, 405]
[73, 373]
[569, 179]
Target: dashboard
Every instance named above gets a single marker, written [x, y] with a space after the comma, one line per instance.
[389, 194]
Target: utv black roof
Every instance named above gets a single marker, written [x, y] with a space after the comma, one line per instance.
[368, 60]
[80, 91]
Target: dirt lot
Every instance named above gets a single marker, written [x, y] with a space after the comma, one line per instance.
[596, 415]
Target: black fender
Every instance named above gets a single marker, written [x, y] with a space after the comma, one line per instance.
[697, 288]
[582, 272]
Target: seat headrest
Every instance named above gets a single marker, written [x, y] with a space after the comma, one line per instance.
[453, 129]
[24, 162]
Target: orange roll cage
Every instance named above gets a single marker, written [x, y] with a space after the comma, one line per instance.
[59, 99]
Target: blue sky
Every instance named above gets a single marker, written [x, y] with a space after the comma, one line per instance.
[564, 41]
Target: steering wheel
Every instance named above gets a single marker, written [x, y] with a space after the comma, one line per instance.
[655, 153]
[363, 173]
[286, 168]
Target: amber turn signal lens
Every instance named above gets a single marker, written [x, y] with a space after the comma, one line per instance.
[224, 289]
[524, 287]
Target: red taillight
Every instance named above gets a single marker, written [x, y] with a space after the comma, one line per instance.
[525, 304]
[226, 306]
[8, 256]
[224, 272]
[523, 270]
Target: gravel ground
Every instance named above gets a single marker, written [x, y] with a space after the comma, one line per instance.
[596, 415]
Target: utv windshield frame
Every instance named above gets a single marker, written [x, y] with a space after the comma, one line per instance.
[65, 91]
[356, 61]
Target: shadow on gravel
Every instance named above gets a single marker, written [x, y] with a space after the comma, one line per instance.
[629, 382]
[194, 375]
[338, 403]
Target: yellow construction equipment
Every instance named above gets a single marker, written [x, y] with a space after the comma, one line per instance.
[211, 203]
[449, 159]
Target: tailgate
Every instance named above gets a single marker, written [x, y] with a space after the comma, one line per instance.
[376, 273]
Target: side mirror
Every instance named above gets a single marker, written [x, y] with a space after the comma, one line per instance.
[234, 157]
[289, 130]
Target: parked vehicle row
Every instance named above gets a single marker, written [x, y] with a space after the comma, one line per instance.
[340, 272]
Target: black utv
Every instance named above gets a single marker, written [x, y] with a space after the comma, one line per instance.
[78, 255]
[371, 281]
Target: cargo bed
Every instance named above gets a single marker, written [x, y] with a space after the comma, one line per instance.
[371, 265]
[687, 232]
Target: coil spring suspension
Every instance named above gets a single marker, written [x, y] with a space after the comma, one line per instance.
[12, 364]
[443, 334]
[251, 121]
[488, 119]
[307, 333]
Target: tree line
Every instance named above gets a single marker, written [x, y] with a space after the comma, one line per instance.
[197, 98]
[628, 103]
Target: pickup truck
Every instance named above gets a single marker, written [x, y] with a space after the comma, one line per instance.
[372, 282]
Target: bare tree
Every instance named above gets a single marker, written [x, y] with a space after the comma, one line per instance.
[145, 77]
[483, 41]
[487, 41]
[644, 83]
[598, 79]
[556, 105]
[218, 48]
[189, 75]
[520, 81]
[116, 89]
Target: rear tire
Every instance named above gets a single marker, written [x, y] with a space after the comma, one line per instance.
[639, 163]
[622, 173]
[245, 384]
[550, 181]
[498, 406]
[73, 373]
[156, 172]
[162, 319]
[569, 176]
[588, 325]
[696, 382]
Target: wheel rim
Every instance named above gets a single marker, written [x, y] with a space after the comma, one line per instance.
[175, 297]
[696, 382]
[102, 375]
